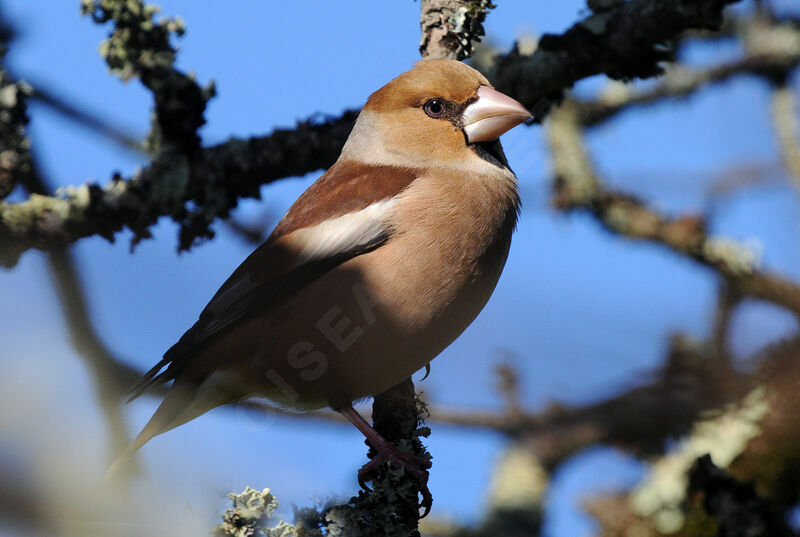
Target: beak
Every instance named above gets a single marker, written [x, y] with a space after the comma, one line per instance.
[491, 115]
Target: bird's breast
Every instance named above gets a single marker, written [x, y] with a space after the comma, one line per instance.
[375, 319]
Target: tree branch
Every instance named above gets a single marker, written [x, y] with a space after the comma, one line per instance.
[629, 40]
[774, 53]
[208, 186]
[754, 438]
[234, 169]
[679, 82]
[577, 187]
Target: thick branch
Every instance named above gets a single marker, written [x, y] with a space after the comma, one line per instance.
[627, 41]
[237, 168]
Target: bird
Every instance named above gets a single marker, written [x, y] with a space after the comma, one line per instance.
[376, 268]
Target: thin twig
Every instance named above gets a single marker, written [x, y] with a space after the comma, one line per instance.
[84, 117]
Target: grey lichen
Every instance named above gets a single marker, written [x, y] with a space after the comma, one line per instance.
[662, 494]
[390, 508]
[16, 164]
[138, 43]
[736, 258]
[450, 28]
[250, 515]
[139, 46]
[571, 163]
[468, 25]
[519, 481]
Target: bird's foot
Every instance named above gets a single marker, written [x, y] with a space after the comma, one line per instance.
[415, 466]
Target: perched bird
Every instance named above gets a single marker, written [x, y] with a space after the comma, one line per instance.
[374, 270]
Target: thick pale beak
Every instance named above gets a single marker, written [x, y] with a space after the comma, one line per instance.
[491, 115]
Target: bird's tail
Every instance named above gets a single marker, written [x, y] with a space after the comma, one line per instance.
[182, 403]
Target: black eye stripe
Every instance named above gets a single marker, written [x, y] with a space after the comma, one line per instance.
[441, 108]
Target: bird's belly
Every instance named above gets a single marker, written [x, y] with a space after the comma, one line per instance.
[365, 327]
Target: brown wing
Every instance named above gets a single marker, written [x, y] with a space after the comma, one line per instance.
[273, 273]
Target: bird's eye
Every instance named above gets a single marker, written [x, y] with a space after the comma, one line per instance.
[434, 108]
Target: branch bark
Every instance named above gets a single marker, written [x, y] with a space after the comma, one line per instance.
[449, 27]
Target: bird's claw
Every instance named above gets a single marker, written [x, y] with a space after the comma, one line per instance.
[417, 467]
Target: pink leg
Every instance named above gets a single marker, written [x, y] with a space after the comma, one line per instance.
[415, 466]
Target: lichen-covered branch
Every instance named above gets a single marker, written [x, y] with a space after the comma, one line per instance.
[138, 46]
[392, 506]
[229, 171]
[626, 41]
[389, 509]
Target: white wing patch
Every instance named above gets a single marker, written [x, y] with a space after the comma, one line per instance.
[342, 234]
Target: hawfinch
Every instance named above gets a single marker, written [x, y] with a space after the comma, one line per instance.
[374, 270]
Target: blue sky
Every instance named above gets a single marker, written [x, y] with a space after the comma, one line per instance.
[584, 313]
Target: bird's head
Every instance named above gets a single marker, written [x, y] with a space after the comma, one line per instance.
[441, 111]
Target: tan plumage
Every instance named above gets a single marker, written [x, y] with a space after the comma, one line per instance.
[375, 269]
